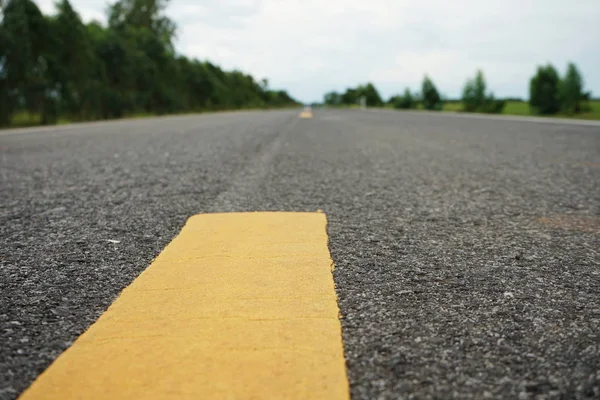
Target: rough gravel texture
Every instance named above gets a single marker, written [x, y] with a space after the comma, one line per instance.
[467, 250]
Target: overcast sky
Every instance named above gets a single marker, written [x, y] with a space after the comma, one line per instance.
[312, 46]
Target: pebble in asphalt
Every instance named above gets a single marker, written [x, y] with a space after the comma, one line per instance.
[466, 250]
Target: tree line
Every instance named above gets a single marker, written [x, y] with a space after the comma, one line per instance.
[57, 66]
[548, 94]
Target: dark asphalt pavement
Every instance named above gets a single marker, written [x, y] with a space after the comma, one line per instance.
[467, 250]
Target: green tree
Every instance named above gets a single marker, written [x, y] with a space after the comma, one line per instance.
[544, 91]
[571, 90]
[143, 14]
[406, 101]
[280, 98]
[118, 73]
[475, 98]
[371, 94]
[139, 58]
[25, 34]
[5, 103]
[58, 65]
[353, 95]
[468, 97]
[143, 34]
[99, 90]
[431, 98]
[72, 57]
[332, 98]
[194, 85]
[350, 96]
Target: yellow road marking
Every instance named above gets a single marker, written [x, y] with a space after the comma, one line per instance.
[306, 114]
[237, 306]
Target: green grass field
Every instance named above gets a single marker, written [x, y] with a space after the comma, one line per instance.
[595, 113]
[522, 108]
[453, 106]
[23, 119]
[516, 108]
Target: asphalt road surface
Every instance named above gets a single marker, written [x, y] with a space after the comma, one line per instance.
[467, 250]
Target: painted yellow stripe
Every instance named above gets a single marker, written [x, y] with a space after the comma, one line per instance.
[306, 114]
[237, 306]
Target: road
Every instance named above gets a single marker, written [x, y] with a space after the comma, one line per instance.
[467, 250]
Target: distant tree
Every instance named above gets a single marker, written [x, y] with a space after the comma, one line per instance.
[406, 101]
[332, 98]
[353, 95]
[495, 106]
[468, 97]
[282, 98]
[571, 91]
[371, 94]
[475, 98]
[71, 61]
[143, 14]
[431, 97]
[5, 103]
[27, 52]
[544, 91]
[350, 96]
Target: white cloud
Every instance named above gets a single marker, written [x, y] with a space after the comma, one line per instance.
[312, 46]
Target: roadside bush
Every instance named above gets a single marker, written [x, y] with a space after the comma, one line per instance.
[494, 106]
[430, 95]
[544, 96]
[475, 99]
[405, 102]
[585, 102]
[571, 92]
[372, 96]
